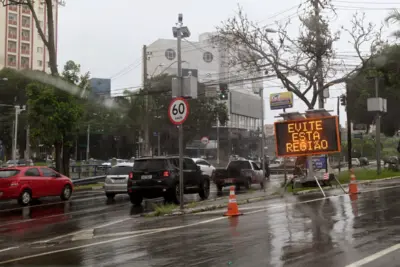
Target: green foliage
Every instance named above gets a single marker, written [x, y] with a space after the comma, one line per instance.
[386, 65]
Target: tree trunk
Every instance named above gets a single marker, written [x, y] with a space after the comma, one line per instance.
[57, 158]
[65, 159]
[51, 39]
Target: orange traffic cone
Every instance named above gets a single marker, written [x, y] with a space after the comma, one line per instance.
[353, 189]
[233, 209]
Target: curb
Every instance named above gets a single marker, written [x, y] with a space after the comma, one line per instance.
[98, 187]
[213, 207]
[304, 192]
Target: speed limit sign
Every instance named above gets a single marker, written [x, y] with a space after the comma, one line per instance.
[178, 110]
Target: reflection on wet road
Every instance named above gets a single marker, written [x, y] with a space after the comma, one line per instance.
[292, 231]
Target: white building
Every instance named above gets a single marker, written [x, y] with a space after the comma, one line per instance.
[22, 46]
[210, 65]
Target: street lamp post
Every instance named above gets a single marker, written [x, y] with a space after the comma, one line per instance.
[18, 110]
[180, 32]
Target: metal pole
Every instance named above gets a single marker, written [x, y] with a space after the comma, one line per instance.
[179, 63]
[159, 144]
[146, 146]
[378, 131]
[14, 156]
[88, 143]
[338, 114]
[262, 135]
[217, 142]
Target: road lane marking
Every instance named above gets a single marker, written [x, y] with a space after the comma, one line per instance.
[375, 256]
[7, 249]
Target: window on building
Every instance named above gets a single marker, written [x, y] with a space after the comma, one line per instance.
[12, 46]
[208, 57]
[12, 18]
[40, 63]
[26, 21]
[25, 48]
[12, 60]
[25, 35]
[170, 54]
[25, 62]
[25, 9]
[12, 33]
[39, 50]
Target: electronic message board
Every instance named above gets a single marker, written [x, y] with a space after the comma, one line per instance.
[307, 137]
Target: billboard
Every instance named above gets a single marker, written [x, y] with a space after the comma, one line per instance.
[245, 104]
[281, 100]
[307, 137]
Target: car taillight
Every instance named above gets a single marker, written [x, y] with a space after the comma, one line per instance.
[131, 175]
[166, 174]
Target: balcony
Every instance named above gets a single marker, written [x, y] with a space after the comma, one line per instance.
[12, 63]
[25, 38]
[12, 35]
[26, 25]
[12, 22]
[12, 49]
[26, 10]
[25, 51]
[13, 8]
[25, 65]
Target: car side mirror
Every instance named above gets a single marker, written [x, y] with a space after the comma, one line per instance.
[198, 168]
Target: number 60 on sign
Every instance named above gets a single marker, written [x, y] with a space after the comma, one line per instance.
[178, 110]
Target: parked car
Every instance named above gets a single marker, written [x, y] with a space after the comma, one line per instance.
[19, 162]
[28, 183]
[355, 162]
[117, 179]
[364, 161]
[205, 167]
[154, 177]
[239, 173]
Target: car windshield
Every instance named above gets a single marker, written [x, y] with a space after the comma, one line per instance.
[239, 165]
[8, 173]
[149, 165]
[120, 170]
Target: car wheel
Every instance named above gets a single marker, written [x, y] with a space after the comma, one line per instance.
[205, 190]
[25, 198]
[66, 192]
[247, 184]
[176, 194]
[110, 195]
[136, 199]
[219, 190]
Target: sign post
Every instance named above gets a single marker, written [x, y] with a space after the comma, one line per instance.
[178, 112]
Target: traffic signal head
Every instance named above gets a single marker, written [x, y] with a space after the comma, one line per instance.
[223, 91]
[343, 100]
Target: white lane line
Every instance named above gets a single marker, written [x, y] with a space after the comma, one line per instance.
[375, 256]
[7, 249]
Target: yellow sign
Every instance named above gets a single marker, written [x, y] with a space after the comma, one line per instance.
[307, 137]
[281, 100]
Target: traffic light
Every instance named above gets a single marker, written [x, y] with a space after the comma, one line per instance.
[223, 91]
[343, 100]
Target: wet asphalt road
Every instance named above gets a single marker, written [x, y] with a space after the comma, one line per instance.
[292, 231]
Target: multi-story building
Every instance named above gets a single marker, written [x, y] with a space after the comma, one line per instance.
[211, 64]
[20, 44]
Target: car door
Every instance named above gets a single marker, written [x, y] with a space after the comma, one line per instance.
[257, 173]
[54, 185]
[35, 181]
[191, 172]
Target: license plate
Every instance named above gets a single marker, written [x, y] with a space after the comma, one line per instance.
[146, 177]
[228, 181]
[120, 181]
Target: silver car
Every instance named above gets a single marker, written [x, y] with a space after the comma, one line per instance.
[117, 179]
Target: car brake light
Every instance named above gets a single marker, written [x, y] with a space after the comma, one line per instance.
[131, 175]
[166, 174]
[14, 184]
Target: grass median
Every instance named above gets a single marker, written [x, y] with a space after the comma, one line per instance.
[88, 186]
[361, 174]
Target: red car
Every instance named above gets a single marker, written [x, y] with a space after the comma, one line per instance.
[33, 182]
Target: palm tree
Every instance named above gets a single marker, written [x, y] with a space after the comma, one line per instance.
[394, 18]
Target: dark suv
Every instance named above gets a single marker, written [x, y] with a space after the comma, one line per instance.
[159, 177]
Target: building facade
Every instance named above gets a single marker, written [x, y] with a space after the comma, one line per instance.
[21, 46]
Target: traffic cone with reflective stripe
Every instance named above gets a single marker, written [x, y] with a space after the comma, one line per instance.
[233, 209]
[353, 188]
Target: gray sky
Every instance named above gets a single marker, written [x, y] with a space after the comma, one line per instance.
[105, 37]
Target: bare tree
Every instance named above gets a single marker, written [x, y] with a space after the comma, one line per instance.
[304, 63]
[49, 41]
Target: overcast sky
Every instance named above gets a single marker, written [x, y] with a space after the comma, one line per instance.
[107, 36]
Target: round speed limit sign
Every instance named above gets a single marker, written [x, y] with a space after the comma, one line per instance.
[178, 110]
